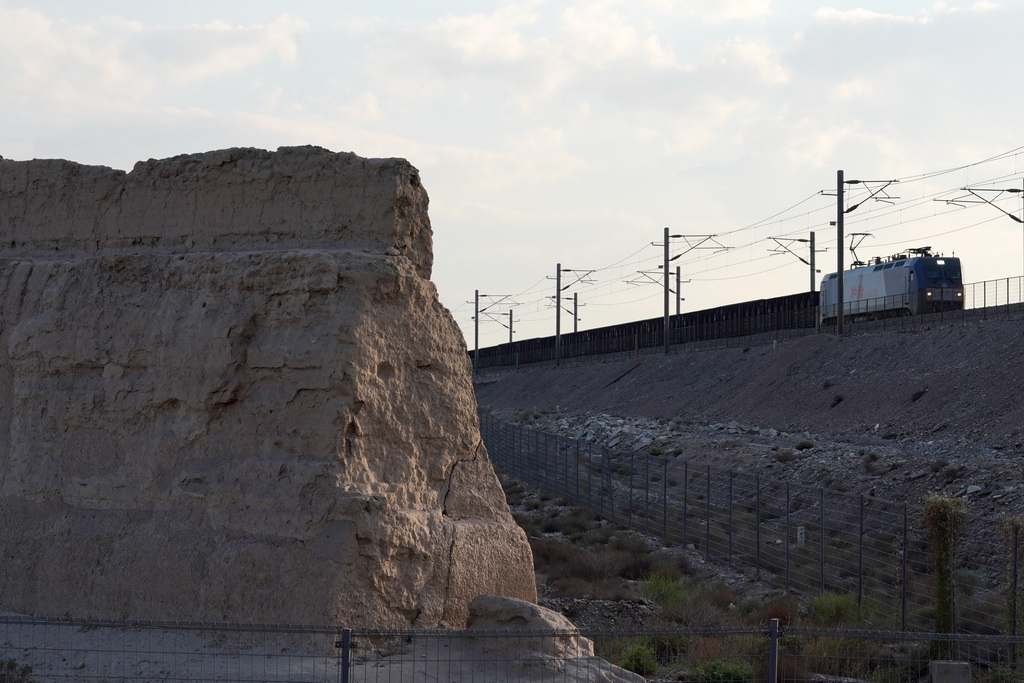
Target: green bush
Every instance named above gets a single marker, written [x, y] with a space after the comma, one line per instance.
[640, 660]
[833, 609]
[723, 672]
[663, 589]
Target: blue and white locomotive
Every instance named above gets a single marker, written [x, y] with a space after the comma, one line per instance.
[903, 284]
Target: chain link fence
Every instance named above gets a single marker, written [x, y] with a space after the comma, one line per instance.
[33, 649]
[797, 537]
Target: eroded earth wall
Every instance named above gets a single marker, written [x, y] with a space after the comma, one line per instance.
[228, 392]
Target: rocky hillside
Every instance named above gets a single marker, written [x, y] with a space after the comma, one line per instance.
[893, 414]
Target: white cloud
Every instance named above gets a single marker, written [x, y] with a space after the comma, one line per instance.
[532, 158]
[715, 11]
[114, 63]
[754, 56]
[860, 15]
[595, 34]
[486, 37]
[364, 109]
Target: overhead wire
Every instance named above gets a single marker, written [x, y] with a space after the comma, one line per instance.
[540, 301]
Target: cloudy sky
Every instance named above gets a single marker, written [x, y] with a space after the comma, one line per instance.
[572, 132]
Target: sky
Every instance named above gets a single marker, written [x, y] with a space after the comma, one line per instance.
[564, 137]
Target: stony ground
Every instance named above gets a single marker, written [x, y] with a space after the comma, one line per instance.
[892, 415]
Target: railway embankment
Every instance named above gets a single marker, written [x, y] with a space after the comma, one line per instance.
[895, 415]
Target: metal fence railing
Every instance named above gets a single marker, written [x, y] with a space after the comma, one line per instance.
[36, 649]
[799, 537]
[990, 299]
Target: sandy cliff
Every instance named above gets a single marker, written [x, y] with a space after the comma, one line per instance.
[228, 392]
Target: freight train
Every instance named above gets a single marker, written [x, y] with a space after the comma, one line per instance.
[910, 283]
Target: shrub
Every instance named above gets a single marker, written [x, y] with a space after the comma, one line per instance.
[943, 520]
[785, 456]
[640, 660]
[655, 451]
[833, 609]
[836, 400]
[663, 590]
[804, 444]
[10, 672]
[723, 672]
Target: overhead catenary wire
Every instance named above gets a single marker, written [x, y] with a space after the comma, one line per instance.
[876, 218]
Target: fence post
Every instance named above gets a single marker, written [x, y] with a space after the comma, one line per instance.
[787, 535]
[757, 527]
[346, 653]
[577, 471]
[647, 493]
[860, 556]
[664, 502]
[730, 517]
[821, 545]
[1013, 592]
[707, 518]
[903, 572]
[632, 467]
[773, 651]
[590, 475]
[686, 497]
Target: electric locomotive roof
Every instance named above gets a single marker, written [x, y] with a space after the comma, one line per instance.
[894, 261]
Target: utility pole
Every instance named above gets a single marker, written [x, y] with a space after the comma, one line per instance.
[476, 319]
[558, 314]
[476, 328]
[840, 285]
[679, 291]
[575, 312]
[665, 275]
[814, 287]
[783, 248]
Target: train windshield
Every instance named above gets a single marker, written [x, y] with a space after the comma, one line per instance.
[942, 269]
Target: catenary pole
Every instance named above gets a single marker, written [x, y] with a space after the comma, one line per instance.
[575, 312]
[814, 286]
[840, 285]
[476, 327]
[679, 292]
[665, 275]
[558, 313]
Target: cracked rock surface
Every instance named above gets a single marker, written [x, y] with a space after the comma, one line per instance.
[229, 392]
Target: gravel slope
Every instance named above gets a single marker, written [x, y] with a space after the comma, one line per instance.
[941, 409]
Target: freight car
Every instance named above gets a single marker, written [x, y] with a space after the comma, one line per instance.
[908, 283]
[794, 311]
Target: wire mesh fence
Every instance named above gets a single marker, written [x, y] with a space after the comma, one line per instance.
[801, 538]
[33, 649]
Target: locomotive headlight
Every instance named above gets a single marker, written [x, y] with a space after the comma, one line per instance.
[959, 293]
[929, 293]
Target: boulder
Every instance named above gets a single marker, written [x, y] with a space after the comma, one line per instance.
[230, 393]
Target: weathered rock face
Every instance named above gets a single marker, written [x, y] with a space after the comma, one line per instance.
[228, 392]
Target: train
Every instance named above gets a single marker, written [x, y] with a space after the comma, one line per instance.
[910, 283]
[907, 283]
